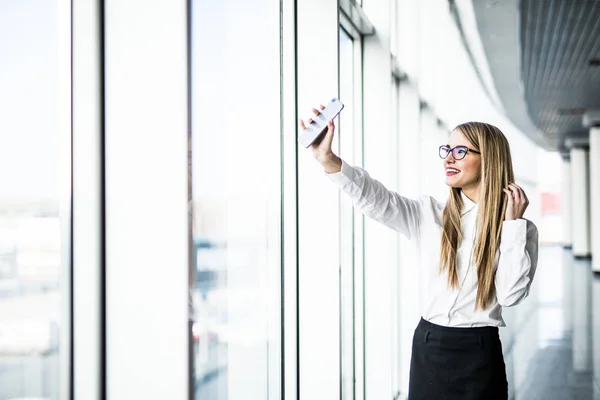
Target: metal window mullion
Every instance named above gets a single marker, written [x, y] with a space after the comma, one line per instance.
[289, 245]
[356, 15]
[87, 189]
[359, 237]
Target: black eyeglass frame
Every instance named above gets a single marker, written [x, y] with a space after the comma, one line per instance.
[449, 150]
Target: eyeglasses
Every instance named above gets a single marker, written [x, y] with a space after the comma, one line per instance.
[458, 152]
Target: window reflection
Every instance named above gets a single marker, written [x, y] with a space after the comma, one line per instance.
[30, 188]
[235, 199]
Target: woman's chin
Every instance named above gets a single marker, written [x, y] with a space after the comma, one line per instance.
[452, 183]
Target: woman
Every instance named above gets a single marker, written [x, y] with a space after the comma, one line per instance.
[477, 255]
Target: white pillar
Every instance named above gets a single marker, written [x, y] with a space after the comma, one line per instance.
[567, 217]
[580, 214]
[146, 124]
[88, 196]
[379, 251]
[568, 290]
[582, 296]
[595, 195]
[318, 252]
[596, 327]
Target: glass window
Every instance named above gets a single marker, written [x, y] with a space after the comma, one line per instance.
[35, 168]
[236, 192]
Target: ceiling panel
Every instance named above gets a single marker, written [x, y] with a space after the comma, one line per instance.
[558, 39]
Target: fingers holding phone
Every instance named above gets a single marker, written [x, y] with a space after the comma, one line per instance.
[317, 133]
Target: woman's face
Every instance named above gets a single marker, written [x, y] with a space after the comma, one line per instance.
[465, 173]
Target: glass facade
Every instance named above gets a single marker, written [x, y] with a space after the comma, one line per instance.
[291, 290]
[235, 118]
[34, 225]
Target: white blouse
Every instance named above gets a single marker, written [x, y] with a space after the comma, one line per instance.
[421, 221]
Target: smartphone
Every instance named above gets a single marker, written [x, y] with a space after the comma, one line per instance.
[316, 128]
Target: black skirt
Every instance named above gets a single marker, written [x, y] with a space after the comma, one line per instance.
[456, 363]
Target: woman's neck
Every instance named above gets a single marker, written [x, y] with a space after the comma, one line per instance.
[472, 193]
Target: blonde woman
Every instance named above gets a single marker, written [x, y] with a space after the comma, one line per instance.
[477, 255]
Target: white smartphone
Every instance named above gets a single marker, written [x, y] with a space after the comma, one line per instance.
[316, 128]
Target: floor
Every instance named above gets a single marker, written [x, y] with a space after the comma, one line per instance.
[555, 352]
[551, 341]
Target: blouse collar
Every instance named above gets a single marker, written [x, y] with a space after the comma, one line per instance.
[468, 205]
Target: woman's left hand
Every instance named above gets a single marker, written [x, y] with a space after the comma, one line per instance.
[517, 202]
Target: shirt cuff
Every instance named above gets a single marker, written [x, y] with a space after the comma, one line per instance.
[514, 232]
[344, 177]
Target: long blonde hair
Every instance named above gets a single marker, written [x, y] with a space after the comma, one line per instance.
[496, 174]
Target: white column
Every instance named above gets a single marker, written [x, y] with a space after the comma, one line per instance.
[580, 202]
[146, 186]
[65, 25]
[567, 217]
[568, 290]
[318, 206]
[582, 339]
[409, 185]
[380, 255]
[88, 197]
[596, 327]
[595, 195]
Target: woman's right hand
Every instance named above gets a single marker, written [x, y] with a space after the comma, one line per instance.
[321, 148]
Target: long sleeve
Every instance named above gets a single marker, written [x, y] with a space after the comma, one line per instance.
[374, 200]
[517, 262]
